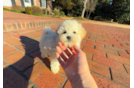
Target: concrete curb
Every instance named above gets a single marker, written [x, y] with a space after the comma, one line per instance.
[23, 25]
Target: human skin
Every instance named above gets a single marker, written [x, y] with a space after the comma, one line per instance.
[76, 67]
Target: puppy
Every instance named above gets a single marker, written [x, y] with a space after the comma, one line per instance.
[70, 32]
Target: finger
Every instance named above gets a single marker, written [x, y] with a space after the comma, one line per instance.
[72, 50]
[77, 49]
[61, 54]
[60, 61]
[64, 49]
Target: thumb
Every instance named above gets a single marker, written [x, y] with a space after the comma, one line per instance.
[77, 49]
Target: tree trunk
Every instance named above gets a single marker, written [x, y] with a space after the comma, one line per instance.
[84, 8]
[89, 15]
[86, 14]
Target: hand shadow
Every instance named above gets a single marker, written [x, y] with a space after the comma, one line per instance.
[13, 75]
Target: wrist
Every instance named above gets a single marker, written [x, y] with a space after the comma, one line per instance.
[81, 81]
[84, 81]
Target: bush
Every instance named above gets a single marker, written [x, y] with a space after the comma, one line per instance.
[62, 13]
[37, 10]
[98, 18]
[5, 9]
[15, 10]
[16, 7]
[44, 10]
[47, 12]
[56, 12]
[124, 19]
[28, 10]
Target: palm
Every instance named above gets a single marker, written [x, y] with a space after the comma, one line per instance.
[76, 64]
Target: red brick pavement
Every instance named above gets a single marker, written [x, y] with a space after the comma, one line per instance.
[107, 49]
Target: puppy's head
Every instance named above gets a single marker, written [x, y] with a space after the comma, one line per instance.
[70, 32]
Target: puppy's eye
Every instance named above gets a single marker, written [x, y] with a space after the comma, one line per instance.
[64, 32]
[74, 32]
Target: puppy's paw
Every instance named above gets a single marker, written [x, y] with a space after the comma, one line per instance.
[55, 68]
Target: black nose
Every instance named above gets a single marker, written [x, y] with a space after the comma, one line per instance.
[68, 37]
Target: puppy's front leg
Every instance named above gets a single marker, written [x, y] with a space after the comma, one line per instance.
[54, 64]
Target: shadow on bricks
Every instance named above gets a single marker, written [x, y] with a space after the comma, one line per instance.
[14, 75]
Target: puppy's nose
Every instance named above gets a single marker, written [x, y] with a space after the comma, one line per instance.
[68, 37]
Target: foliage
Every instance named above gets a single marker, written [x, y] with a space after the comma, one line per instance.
[37, 10]
[62, 13]
[56, 12]
[44, 10]
[77, 7]
[64, 4]
[47, 12]
[17, 7]
[28, 10]
[5, 9]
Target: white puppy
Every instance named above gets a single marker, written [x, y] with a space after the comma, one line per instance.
[69, 32]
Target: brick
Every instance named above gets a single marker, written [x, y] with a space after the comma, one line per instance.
[99, 68]
[113, 42]
[14, 26]
[4, 64]
[19, 60]
[127, 67]
[101, 42]
[8, 49]
[4, 27]
[17, 35]
[68, 84]
[106, 50]
[94, 43]
[94, 51]
[27, 25]
[31, 24]
[42, 76]
[9, 26]
[114, 48]
[124, 55]
[108, 62]
[88, 45]
[26, 48]
[19, 25]
[117, 46]
[34, 24]
[81, 47]
[6, 35]
[121, 77]
[118, 58]
[28, 39]
[88, 54]
[128, 51]
[12, 41]
[23, 25]
[11, 79]
[105, 83]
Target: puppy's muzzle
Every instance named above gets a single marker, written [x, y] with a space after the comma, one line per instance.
[68, 37]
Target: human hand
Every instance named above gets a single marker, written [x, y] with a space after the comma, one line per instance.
[76, 64]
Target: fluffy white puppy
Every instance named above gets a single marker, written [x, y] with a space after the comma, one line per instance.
[69, 32]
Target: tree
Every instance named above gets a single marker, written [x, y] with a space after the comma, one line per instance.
[77, 8]
[91, 4]
[84, 8]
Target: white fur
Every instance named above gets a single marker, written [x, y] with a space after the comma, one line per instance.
[49, 40]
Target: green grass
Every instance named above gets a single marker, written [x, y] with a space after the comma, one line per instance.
[5, 9]
[38, 14]
[80, 18]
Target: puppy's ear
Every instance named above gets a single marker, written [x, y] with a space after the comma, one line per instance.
[83, 33]
[56, 31]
